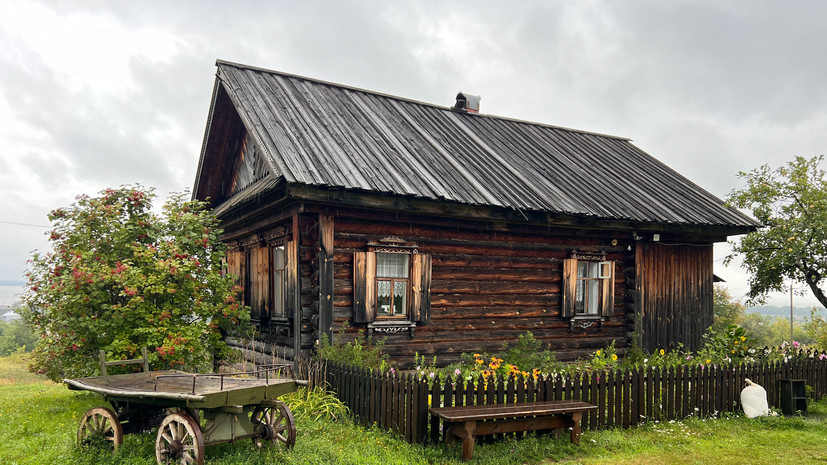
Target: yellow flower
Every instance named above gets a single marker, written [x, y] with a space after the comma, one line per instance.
[479, 361]
[733, 351]
[598, 352]
[614, 356]
[477, 355]
[736, 342]
[743, 338]
[486, 373]
[662, 351]
[708, 361]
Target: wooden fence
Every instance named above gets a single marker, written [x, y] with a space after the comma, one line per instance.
[400, 401]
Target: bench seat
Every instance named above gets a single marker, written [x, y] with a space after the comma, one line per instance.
[467, 422]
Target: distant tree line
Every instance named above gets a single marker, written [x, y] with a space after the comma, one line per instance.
[766, 330]
[15, 336]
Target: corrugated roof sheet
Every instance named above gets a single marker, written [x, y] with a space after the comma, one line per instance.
[319, 133]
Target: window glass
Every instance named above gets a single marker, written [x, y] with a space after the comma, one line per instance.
[392, 265]
[400, 292]
[383, 298]
[279, 277]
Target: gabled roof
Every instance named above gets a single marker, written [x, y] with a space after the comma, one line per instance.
[323, 134]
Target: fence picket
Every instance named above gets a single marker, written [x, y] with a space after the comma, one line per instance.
[436, 396]
[610, 399]
[601, 399]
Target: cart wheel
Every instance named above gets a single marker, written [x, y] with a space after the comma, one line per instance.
[179, 440]
[100, 425]
[276, 424]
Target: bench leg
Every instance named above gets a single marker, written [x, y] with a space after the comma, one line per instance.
[464, 431]
[468, 440]
[575, 427]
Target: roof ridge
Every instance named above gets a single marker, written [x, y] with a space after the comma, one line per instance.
[409, 100]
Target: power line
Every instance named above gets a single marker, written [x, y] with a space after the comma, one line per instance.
[26, 224]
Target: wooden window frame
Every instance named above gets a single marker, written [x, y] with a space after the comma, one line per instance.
[417, 292]
[278, 307]
[405, 314]
[606, 279]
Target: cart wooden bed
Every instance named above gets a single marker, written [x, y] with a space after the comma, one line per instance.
[190, 410]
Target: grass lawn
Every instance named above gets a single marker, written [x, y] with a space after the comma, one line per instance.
[38, 423]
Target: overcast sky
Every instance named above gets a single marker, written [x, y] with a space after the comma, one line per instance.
[102, 93]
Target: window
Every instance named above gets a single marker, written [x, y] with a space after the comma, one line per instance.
[588, 286]
[279, 283]
[393, 286]
[267, 277]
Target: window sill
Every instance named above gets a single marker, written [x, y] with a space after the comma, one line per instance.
[391, 326]
[586, 321]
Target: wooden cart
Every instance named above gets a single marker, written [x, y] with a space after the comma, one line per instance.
[190, 410]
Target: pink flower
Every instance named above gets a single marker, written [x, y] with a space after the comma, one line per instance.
[795, 344]
[458, 371]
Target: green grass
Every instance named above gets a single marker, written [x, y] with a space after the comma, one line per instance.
[38, 423]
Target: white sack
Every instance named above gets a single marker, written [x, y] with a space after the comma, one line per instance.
[754, 400]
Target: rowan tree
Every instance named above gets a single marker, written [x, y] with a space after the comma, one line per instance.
[120, 277]
[790, 202]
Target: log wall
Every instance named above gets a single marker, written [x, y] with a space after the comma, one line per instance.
[488, 287]
[490, 283]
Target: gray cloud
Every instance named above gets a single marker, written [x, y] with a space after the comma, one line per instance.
[710, 88]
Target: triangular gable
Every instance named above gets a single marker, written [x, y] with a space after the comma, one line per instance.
[231, 159]
[249, 168]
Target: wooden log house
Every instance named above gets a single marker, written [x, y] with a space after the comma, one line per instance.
[447, 230]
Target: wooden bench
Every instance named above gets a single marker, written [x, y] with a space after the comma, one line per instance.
[466, 422]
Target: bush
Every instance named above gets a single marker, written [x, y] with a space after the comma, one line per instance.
[315, 404]
[367, 354]
[120, 277]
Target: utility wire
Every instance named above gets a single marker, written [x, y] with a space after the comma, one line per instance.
[25, 224]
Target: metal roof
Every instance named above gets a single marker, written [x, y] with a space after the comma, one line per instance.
[324, 134]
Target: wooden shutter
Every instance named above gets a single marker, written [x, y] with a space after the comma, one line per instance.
[607, 291]
[420, 288]
[291, 285]
[364, 287]
[235, 266]
[259, 283]
[569, 286]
